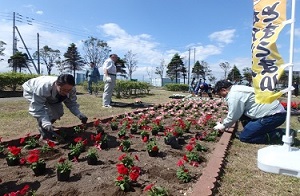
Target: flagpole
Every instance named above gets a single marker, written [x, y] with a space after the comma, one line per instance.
[283, 159]
[287, 140]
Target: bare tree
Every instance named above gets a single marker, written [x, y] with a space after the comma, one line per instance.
[160, 69]
[130, 63]
[149, 73]
[96, 51]
[225, 66]
[49, 56]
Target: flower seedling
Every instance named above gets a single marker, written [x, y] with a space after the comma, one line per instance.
[152, 145]
[13, 153]
[48, 147]
[155, 190]
[125, 145]
[63, 165]
[30, 142]
[182, 173]
[92, 152]
[34, 160]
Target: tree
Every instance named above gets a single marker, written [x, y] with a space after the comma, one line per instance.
[130, 62]
[2, 43]
[234, 75]
[96, 51]
[225, 66]
[201, 69]
[175, 67]
[160, 69]
[18, 61]
[49, 56]
[184, 73]
[197, 69]
[247, 74]
[73, 60]
[121, 68]
[212, 79]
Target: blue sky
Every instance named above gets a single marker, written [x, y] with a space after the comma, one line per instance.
[216, 31]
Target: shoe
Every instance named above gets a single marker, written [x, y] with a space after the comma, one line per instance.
[46, 140]
[106, 106]
[237, 134]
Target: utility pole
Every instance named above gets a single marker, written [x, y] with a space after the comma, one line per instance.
[38, 54]
[189, 66]
[14, 34]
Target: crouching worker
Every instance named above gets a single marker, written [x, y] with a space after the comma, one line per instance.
[260, 121]
[46, 94]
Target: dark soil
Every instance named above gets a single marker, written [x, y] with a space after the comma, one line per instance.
[100, 179]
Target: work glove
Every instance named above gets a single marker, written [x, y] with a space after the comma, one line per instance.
[108, 79]
[48, 128]
[219, 126]
[83, 118]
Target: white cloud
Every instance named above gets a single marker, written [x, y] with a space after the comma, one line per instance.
[225, 36]
[39, 12]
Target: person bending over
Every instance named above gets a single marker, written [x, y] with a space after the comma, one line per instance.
[45, 95]
[260, 121]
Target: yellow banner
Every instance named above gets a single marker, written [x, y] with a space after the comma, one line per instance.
[267, 64]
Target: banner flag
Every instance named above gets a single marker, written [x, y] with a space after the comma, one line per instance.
[267, 65]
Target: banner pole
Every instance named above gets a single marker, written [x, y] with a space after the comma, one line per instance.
[286, 138]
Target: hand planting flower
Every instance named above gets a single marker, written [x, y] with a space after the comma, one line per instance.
[63, 165]
[155, 190]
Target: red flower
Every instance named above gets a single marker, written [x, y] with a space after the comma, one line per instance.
[61, 160]
[120, 178]
[33, 158]
[34, 151]
[189, 147]
[134, 173]
[14, 150]
[24, 189]
[154, 148]
[180, 163]
[78, 139]
[185, 158]
[22, 140]
[22, 161]
[122, 169]
[97, 122]
[51, 144]
[145, 139]
[148, 187]
[122, 157]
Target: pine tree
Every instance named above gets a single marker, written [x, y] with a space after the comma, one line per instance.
[175, 67]
[73, 60]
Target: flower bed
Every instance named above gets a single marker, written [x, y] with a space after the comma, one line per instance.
[174, 169]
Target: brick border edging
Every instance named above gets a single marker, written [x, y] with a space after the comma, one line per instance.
[206, 184]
